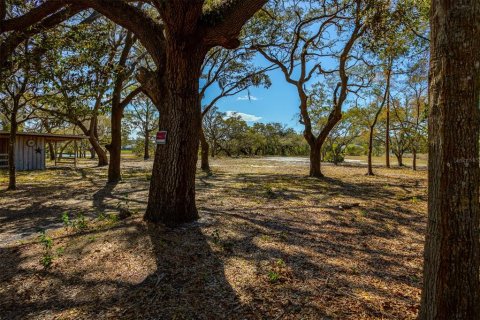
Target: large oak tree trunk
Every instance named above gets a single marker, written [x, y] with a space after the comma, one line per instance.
[172, 189]
[205, 165]
[451, 285]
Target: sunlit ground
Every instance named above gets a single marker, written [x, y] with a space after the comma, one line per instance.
[271, 244]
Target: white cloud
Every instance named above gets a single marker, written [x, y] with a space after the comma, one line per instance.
[244, 116]
[247, 97]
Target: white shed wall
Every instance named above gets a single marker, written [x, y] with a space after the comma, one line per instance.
[27, 158]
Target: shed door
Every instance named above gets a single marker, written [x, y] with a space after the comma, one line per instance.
[30, 153]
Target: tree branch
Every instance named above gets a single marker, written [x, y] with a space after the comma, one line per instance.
[134, 19]
[222, 24]
[30, 18]
[8, 46]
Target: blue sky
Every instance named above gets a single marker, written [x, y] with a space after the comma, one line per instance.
[279, 103]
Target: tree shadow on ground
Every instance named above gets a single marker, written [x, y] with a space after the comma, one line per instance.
[186, 282]
[39, 204]
[342, 241]
[189, 282]
[278, 248]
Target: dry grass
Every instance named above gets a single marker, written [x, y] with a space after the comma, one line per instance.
[271, 244]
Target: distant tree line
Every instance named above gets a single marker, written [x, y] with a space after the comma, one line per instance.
[232, 136]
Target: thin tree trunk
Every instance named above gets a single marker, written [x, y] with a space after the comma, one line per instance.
[372, 127]
[63, 148]
[414, 161]
[370, 149]
[172, 190]
[97, 149]
[387, 133]
[118, 106]
[51, 151]
[12, 176]
[115, 146]
[399, 159]
[92, 151]
[146, 150]
[451, 285]
[205, 165]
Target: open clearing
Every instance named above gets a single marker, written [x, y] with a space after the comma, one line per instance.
[271, 244]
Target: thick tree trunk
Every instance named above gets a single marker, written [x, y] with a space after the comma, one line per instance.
[315, 161]
[205, 165]
[115, 146]
[172, 190]
[12, 175]
[451, 285]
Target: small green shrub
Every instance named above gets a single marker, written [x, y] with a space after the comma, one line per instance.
[60, 251]
[363, 213]
[273, 276]
[101, 216]
[47, 246]
[334, 157]
[112, 218]
[354, 150]
[80, 222]
[280, 262]
[66, 220]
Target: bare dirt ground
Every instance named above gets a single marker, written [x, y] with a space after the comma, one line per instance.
[271, 244]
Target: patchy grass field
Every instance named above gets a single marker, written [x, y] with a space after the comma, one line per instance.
[271, 244]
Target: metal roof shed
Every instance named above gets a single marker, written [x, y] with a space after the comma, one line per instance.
[30, 149]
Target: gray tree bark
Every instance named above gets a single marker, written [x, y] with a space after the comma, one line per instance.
[451, 286]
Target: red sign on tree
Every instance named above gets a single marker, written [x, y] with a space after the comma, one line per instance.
[161, 137]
